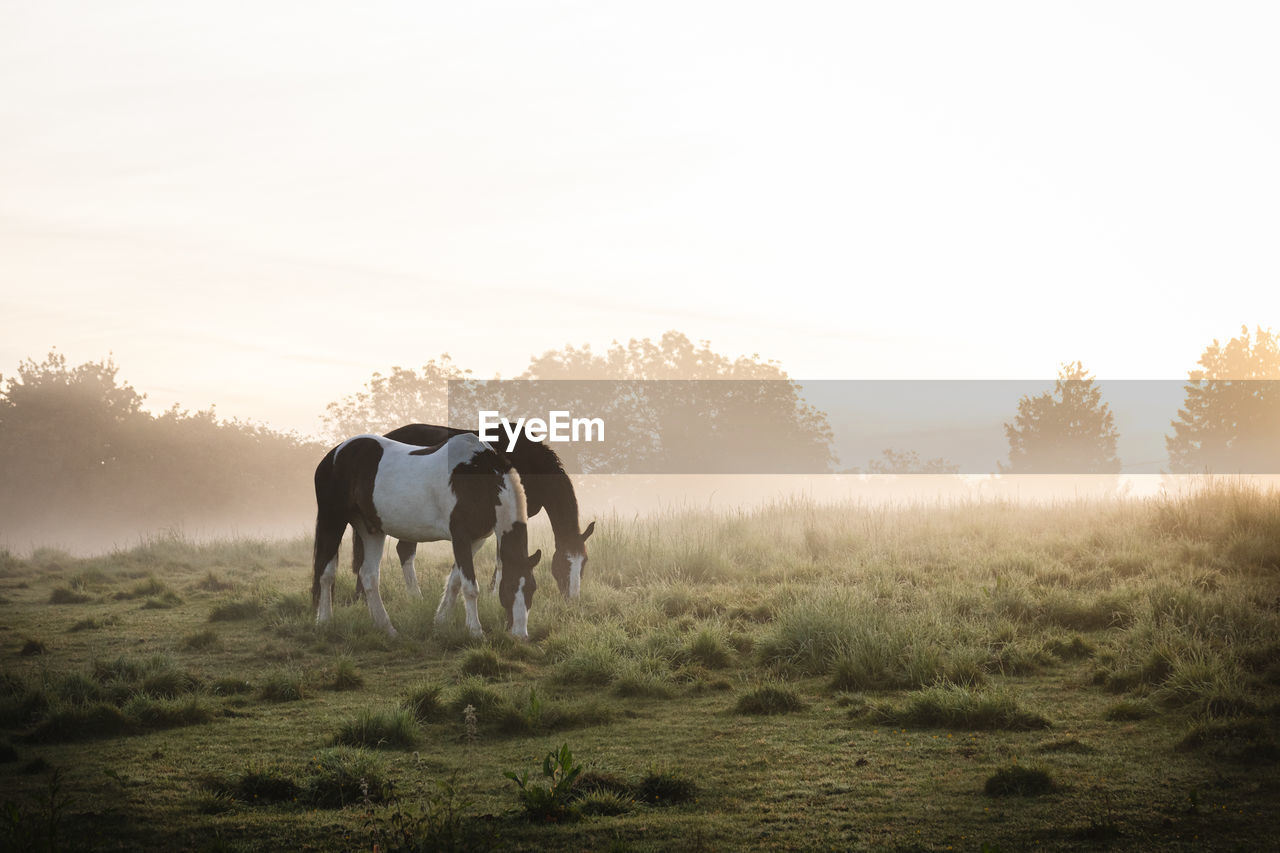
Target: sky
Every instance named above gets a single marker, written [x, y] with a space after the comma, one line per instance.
[257, 205]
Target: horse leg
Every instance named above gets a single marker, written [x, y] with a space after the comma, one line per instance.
[373, 545]
[463, 556]
[405, 551]
[449, 596]
[357, 560]
[325, 557]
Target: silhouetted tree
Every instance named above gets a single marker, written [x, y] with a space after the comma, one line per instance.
[1067, 431]
[1230, 417]
[676, 406]
[404, 397]
[80, 455]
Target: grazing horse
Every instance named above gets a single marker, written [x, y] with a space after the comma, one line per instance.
[460, 490]
[545, 485]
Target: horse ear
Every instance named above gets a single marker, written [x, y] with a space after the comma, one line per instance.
[535, 557]
[591, 528]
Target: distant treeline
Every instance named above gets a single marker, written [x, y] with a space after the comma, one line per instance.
[85, 466]
[82, 464]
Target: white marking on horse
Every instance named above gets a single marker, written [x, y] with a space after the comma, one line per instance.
[575, 574]
[520, 614]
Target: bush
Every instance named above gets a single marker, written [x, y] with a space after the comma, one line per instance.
[387, 729]
[1015, 780]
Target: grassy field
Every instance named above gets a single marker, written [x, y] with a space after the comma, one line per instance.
[979, 676]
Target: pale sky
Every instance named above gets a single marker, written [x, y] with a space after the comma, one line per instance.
[259, 204]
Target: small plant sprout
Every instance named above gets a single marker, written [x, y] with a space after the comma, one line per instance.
[550, 802]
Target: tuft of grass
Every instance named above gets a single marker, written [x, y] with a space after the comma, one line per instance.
[425, 705]
[709, 649]
[1069, 744]
[604, 804]
[393, 728]
[662, 787]
[1128, 710]
[166, 600]
[346, 675]
[636, 679]
[235, 610]
[230, 686]
[340, 777]
[594, 665]
[1017, 781]
[212, 583]
[198, 641]
[539, 716]
[67, 595]
[1243, 741]
[261, 786]
[484, 663]
[283, 685]
[769, 699]
[149, 587]
[954, 707]
[1068, 650]
[92, 623]
[102, 719]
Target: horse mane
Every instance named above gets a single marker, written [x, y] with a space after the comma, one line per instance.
[522, 507]
[543, 471]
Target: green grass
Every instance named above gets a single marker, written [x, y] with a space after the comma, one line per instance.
[769, 699]
[927, 646]
[1018, 781]
[958, 708]
[393, 728]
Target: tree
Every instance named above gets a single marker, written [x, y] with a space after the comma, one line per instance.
[404, 397]
[1230, 417]
[676, 406]
[82, 458]
[1068, 430]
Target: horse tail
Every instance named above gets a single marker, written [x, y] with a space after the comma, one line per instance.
[330, 521]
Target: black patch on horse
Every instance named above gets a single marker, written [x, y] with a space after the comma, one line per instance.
[476, 485]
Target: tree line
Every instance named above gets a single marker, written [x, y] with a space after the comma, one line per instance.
[79, 451]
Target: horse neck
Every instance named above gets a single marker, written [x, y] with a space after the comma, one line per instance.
[512, 506]
[543, 474]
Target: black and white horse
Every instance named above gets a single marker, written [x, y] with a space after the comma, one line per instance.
[546, 485]
[460, 490]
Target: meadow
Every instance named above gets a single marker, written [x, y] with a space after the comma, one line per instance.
[1100, 674]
